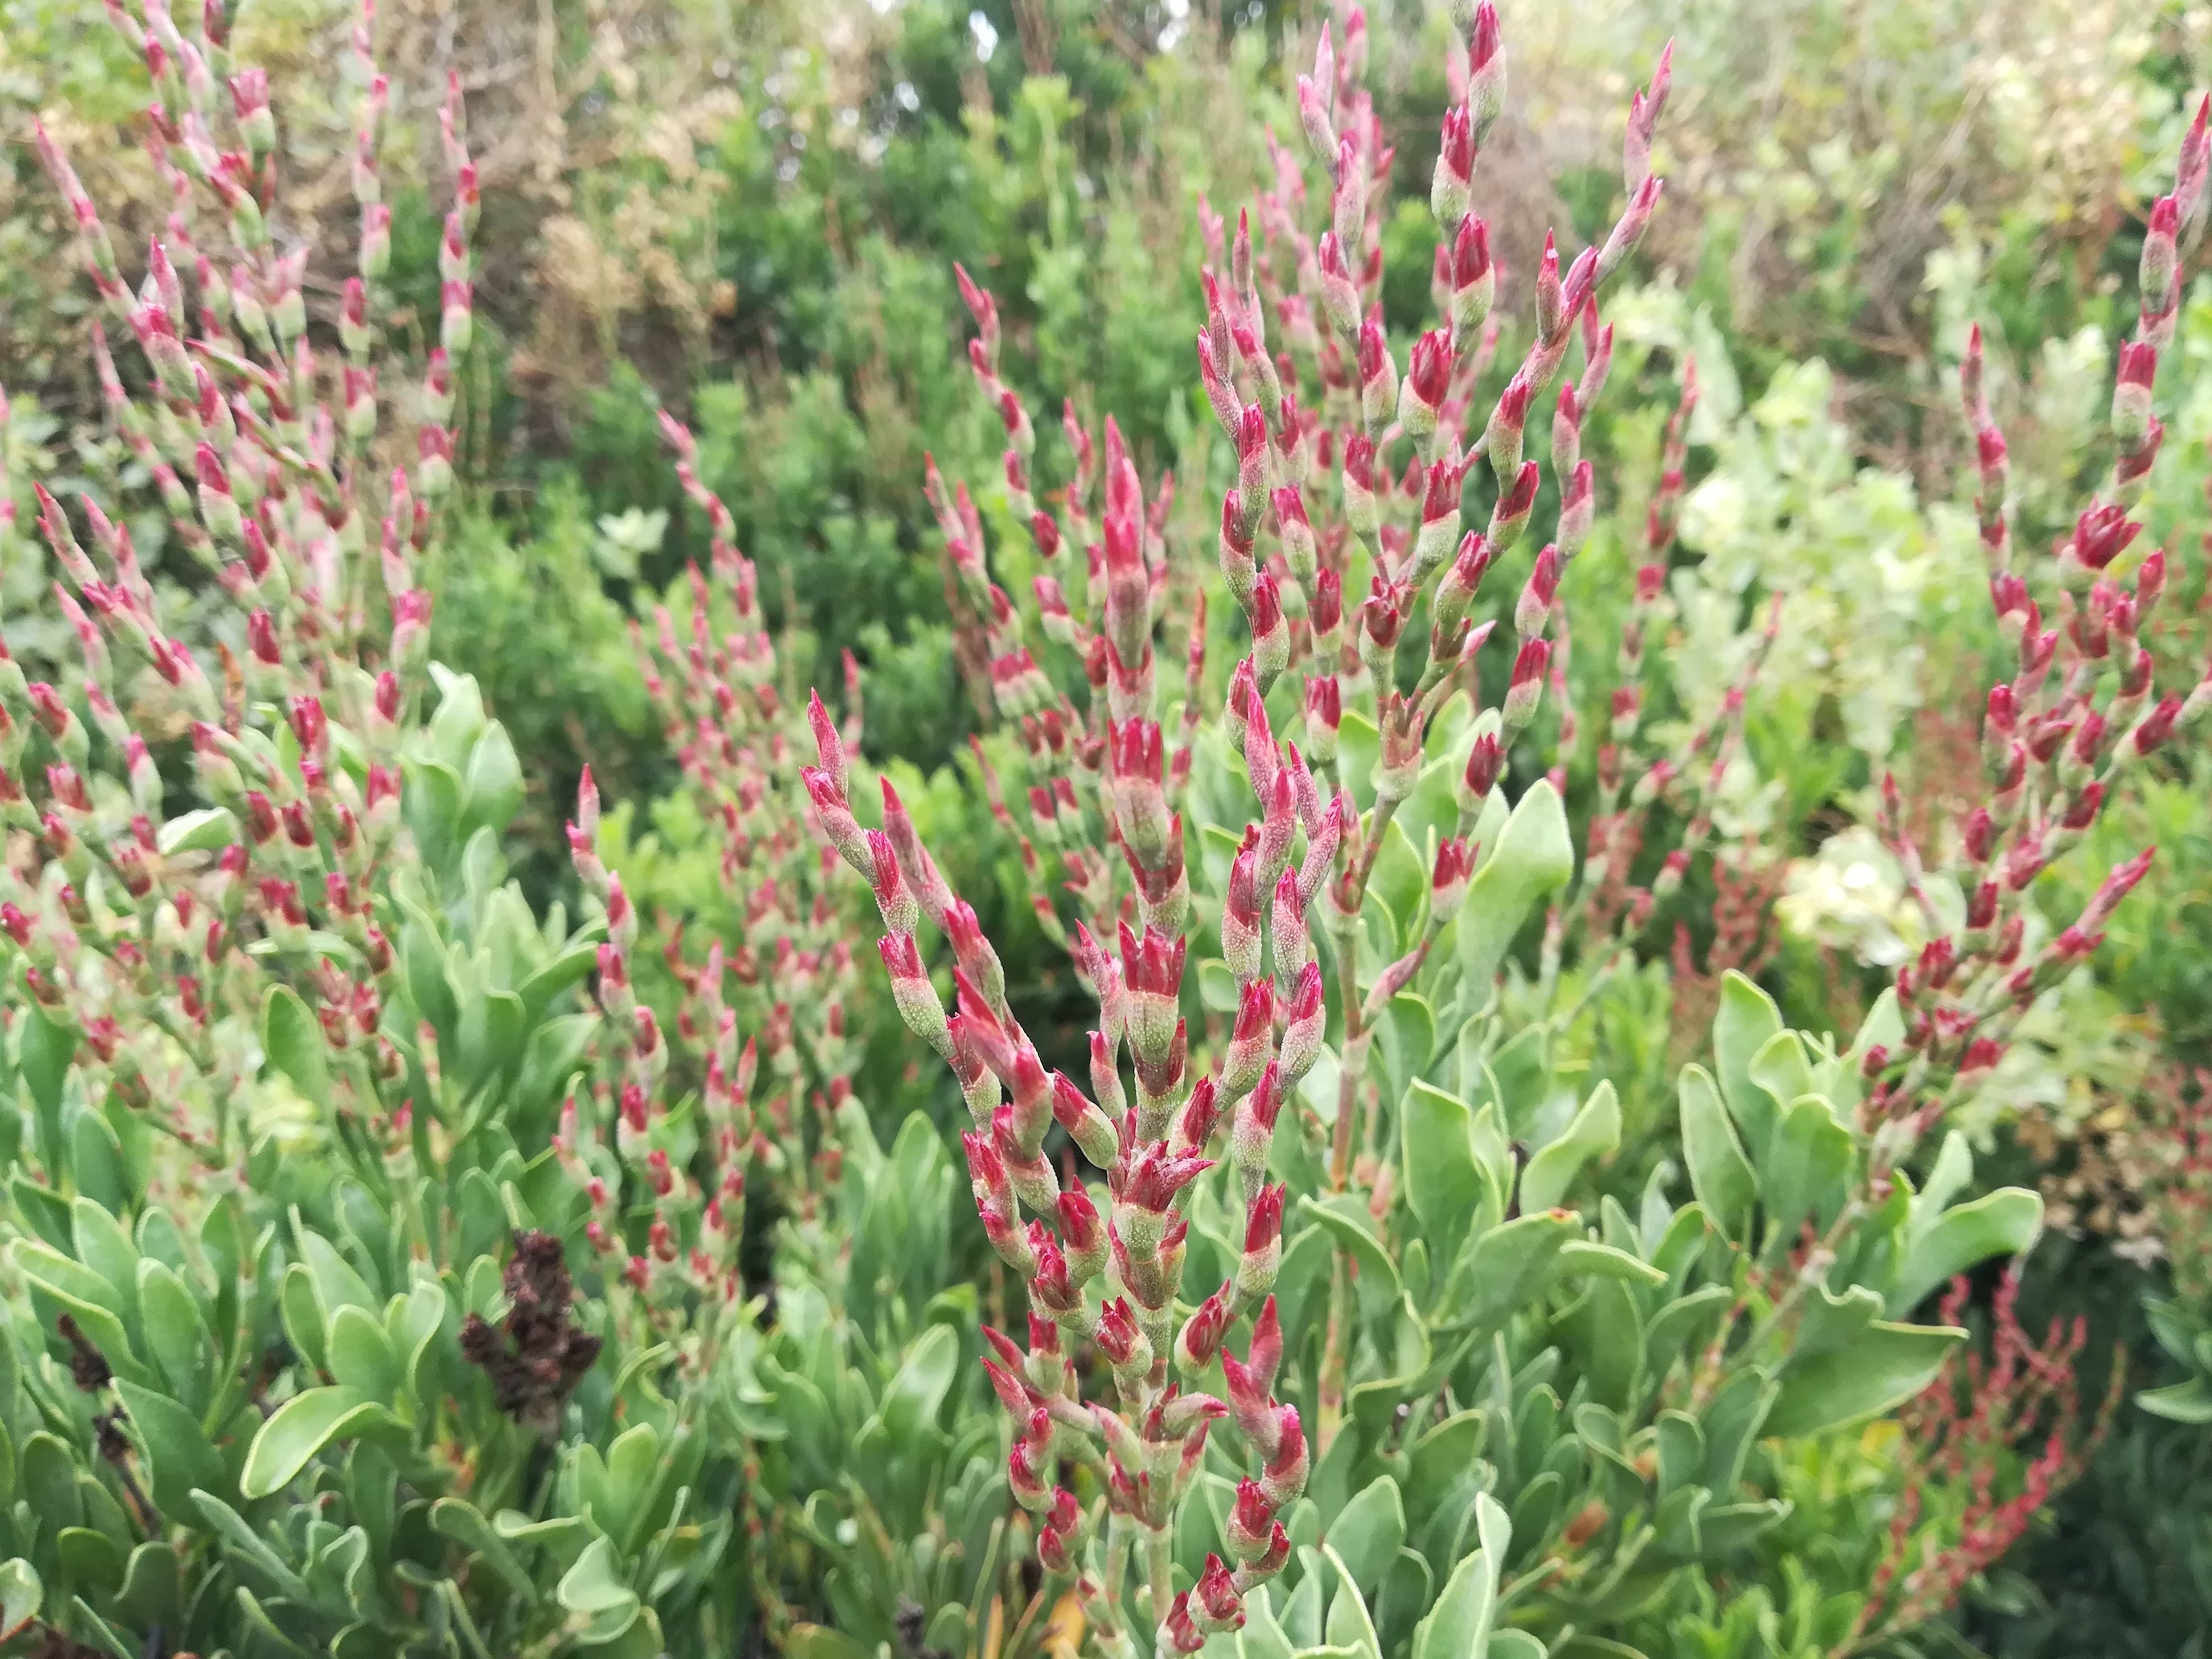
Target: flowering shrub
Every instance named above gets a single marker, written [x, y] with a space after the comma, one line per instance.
[398, 1267]
[1396, 1236]
[376, 1257]
[1954, 1437]
[1890, 1526]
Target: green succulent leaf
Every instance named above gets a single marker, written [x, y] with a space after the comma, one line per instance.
[1535, 856]
[1586, 1258]
[1593, 1134]
[177, 1336]
[362, 1355]
[1346, 1219]
[594, 1591]
[466, 1526]
[1719, 1174]
[294, 1042]
[1506, 1269]
[818, 1642]
[1368, 1531]
[302, 1428]
[22, 1595]
[179, 1455]
[925, 1377]
[1746, 1022]
[1881, 1366]
[1782, 1070]
[1807, 1169]
[1444, 1185]
[2001, 1223]
[1458, 1626]
[2180, 1402]
[208, 830]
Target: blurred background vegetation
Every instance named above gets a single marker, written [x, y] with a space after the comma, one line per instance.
[747, 212]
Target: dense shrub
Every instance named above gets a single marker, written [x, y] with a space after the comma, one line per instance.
[422, 1241]
[1412, 1276]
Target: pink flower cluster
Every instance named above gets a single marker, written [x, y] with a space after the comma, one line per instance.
[2058, 736]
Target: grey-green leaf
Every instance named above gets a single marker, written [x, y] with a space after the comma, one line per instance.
[301, 1428]
[1719, 1174]
[1535, 856]
[294, 1042]
[1883, 1365]
[2001, 1223]
[1594, 1133]
[1458, 1626]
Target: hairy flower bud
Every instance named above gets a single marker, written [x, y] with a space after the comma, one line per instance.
[1251, 1524]
[917, 1001]
[2159, 275]
[2101, 534]
[1283, 1478]
[1216, 1607]
[1502, 437]
[1086, 1124]
[1473, 279]
[1297, 533]
[1348, 205]
[1448, 881]
[1428, 378]
[1271, 634]
[1339, 294]
[1527, 686]
[1485, 82]
[1543, 586]
[1378, 377]
[1302, 1033]
[1510, 516]
[2131, 393]
[1085, 1232]
[1316, 94]
[1628, 230]
[1201, 1333]
[1240, 915]
[1252, 1040]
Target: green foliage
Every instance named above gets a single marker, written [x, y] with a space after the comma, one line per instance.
[483, 1264]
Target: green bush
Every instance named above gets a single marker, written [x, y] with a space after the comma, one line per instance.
[418, 1248]
[1420, 1302]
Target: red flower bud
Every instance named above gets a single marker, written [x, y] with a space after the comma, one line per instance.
[1200, 1115]
[1155, 1176]
[1118, 1336]
[1543, 586]
[2154, 728]
[1527, 685]
[2083, 809]
[1484, 762]
[1263, 1220]
[1510, 516]
[1200, 1337]
[1283, 1477]
[1302, 1034]
[1379, 375]
[1448, 883]
[1428, 379]
[1327, 612]
[1080, 1221]
[1485, 91]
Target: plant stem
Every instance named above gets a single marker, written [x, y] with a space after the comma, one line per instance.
[1335, 1360]
[1159, 1570]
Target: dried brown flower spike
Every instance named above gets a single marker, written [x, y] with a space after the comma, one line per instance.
[535, 1357]
[89, 1367]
